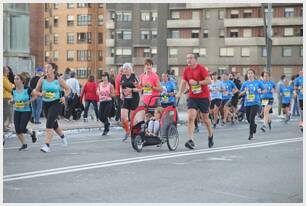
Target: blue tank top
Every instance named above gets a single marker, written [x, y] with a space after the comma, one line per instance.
[20, 98]
[52, 90]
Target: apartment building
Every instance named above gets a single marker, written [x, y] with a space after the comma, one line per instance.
[136, 32]
[74, 37]
[16, 37]
[230, 37]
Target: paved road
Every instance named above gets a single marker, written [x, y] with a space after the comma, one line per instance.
[95, 169]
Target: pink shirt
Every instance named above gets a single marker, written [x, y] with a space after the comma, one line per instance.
[104, 92]
[147, 82]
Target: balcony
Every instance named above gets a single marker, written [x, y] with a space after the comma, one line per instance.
[139, 60]
[287, 40]
[183, 42]
[110, 60]
[254, 22]
[192, 23]
[110, 25]
[173, 61]
[243, 41]
[110, 42]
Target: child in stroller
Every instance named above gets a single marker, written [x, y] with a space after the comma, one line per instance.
[153, 123]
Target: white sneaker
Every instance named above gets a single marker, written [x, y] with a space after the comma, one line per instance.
[64, 141]
[45, 148]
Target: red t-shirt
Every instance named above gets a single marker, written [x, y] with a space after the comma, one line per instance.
[197, 74]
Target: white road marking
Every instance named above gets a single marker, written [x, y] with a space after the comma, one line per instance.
[41, 173]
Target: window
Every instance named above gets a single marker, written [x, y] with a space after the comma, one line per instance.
[100, 37]
[154, 34]
[84, 37]
[123, 51]
[301, 51]
[203, 52]
[145, 16]
[83, 73]
[247, 13]
[84, 20]
[199, 51]
[175, 34]
[70, 20]
[55, 5]
[207, 14]
[145, 35]
[46, 7]
[301, 31]
[205, 33]
[195, 33]
[83, 5]
[263, 51]
[46, 40]
[84, 55]
[100, 20]
[221, 33]
[70, 55]
[234, 14]
[226, 52]
[55, 38]
[154, 16]
[112, 52]
[70, 5]
[195, 15]
[288, 72]
[175, 15]
[234, 33]
[146, 52]
[100, 72]
[288, 31]
[47, 55]
[55, 21]
[19, 32]
[287, 52]
[172, 52]
[100, 55]
[70, 38]
[55, 55]
[124, 16]
[100, 5]
[247, 32]
[125, 35]
[289, 12]
[245, 52]
[47, 23]
[221, 14]
[153, 51]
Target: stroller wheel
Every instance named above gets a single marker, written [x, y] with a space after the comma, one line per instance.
[172, 137]
[137, 143]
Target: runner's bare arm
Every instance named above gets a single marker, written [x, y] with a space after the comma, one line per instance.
[66, 88]
[37, 90]
[181, 89]
[206, 81]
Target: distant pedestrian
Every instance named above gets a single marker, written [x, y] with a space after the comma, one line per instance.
[37, 103]
[279, 97]
[66, 74]
[118, 100]
[7, 96]
[72, 101]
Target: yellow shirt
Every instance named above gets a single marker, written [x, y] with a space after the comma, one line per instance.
[7, 88]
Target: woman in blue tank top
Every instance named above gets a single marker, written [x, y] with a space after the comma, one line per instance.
[22, 98]
[49, 87]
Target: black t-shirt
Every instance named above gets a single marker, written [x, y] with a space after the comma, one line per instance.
[129, 83]
[33, 82]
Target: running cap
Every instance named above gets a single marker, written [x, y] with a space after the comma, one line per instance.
[39, 69]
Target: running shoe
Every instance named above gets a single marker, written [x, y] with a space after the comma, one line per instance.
[64, 141]
[211, 141]
[196, 130]
[126, 136]
[34, 138]
[45, 148]
[190, 144]
[250, 137]
[23, 147]
[263, 128]
[255, 128]
[105, 132]
[214, 126]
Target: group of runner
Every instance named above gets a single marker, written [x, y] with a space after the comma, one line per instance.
[206, 96]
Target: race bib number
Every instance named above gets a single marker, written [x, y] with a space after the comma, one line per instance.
[196, 89]
[50, 95]
[147, 91]
[20, 105]
[265, 102]
[251, 97]
[286, 94]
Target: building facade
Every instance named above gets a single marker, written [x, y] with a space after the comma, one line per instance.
[16, 37]
[136, 32]
[230, 37]
[74, 37]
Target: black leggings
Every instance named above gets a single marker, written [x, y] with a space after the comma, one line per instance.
[52, 110]
[21, 120]
[251, 112]
[105, 109]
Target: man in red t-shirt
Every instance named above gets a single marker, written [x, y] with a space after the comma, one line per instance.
[118, 101]
[197, 78]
